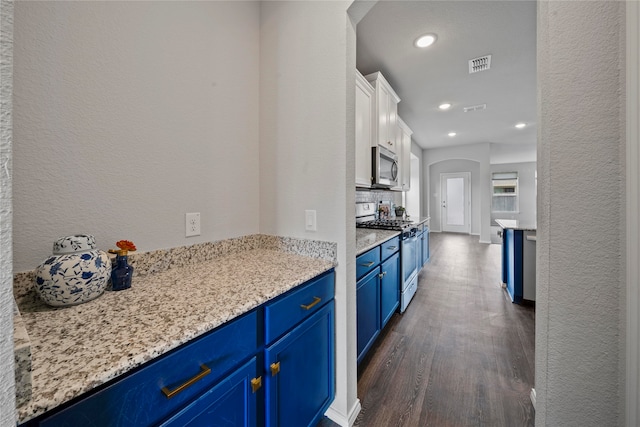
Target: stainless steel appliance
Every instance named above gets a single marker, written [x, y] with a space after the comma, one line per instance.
[384, 167]
[409, 249]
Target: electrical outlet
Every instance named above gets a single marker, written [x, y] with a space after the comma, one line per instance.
[192, 224]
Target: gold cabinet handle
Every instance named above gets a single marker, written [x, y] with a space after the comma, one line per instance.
[204, 371]
[256, 383]
[315, 301]
[275, 368]
[392, 248]
[368, 264]
[381, 275]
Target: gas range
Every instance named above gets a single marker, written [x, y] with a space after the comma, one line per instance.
[366, 218]
[387, 224]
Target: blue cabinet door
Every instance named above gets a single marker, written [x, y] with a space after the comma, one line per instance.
[368, 311]
[231, 403]
[299, 372]
[512, 241]
[425, 246]
[389, 288]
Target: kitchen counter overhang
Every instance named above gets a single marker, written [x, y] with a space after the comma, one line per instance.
[76, 349]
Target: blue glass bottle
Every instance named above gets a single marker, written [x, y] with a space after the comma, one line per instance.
[122, 272]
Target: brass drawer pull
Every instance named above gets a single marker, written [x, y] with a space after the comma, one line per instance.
[275, 368]
[256, 383]
[204, 371]
[369, 264]
[315, 301]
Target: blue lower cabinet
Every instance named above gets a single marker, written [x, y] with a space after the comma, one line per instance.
[389, 288]
[299, 372]
[367, 311]
[233, 402]
[425, 246]
[166, 385]
[231, 376]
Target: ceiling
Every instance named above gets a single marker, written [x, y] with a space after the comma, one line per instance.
[425, 78]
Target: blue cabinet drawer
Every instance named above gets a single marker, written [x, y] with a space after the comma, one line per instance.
[367, 261]
[231, 402]
[390, 247]
[290, 309]
[139, 399]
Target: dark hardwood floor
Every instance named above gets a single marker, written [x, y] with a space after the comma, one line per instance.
[461, 355]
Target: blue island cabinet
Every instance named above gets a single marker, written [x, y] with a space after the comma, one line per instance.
[519, 264]
[273, 366]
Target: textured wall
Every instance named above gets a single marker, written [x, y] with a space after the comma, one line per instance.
[307, 122]
[7, 375]
[127, 115]
[579, 337]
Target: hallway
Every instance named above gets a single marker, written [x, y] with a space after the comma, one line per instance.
[461, 355]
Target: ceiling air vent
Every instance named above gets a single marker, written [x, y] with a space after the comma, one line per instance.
[479, 64]
[475, 108]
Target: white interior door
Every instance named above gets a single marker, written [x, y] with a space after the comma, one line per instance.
[456, 202]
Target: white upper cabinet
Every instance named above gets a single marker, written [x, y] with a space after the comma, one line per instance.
[404, 156]
[365, 130]
[386, 112]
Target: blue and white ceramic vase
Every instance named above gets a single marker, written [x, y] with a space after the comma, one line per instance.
[76, 273]
[122, 272]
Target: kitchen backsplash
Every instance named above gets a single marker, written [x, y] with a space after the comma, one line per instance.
[379, 195]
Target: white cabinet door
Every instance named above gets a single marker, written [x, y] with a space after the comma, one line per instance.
[364, 130]
[386, 107]
[404, 155]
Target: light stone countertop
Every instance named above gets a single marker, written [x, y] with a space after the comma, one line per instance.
[75, 349]
[369, 238]
[515, 224]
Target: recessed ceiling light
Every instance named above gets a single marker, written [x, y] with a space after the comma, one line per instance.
[521, 125]
[426, 40]
[444, 106]
[452, 134]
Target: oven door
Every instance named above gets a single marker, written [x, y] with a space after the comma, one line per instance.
[409, 259]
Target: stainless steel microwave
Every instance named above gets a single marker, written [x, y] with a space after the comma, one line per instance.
[384, 165]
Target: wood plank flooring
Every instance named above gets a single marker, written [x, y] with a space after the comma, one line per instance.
[461, 355]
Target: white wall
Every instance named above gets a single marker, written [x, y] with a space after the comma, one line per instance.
[454, 166]
[580, 300]
[307, 157]
[512, 153]
[476, 152]
[7, 375]
[127, 115]
[526, 191]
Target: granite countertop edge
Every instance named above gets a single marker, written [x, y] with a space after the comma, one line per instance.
[367, 238]
[514, 224]
[73, 349]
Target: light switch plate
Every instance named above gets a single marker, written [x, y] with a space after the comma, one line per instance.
[310, 220]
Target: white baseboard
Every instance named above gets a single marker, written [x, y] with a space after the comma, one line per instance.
[533, 398]
[340, 419]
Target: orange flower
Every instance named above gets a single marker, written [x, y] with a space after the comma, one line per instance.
[126, 245]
